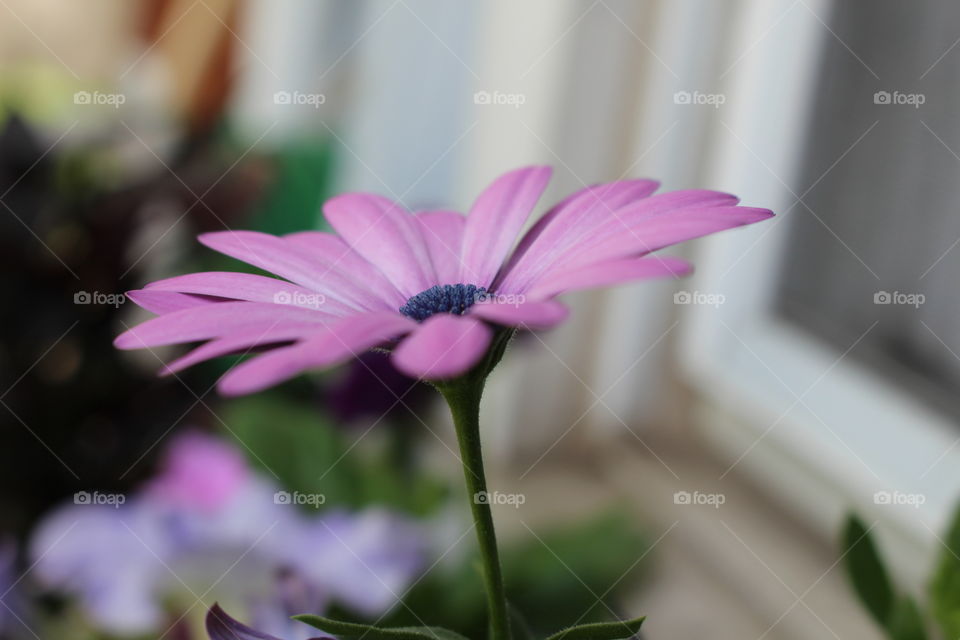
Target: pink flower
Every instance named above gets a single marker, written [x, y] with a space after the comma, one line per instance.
[201, 472]
[433, 284]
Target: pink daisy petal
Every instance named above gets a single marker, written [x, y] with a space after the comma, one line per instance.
[662, 231]
[161, 302]
[238, 341]
[663, 204]
[443, 346]
[443, 234]
[591, 219]
[607, 273]
[554, 226]
[291, 261]
[249, 287]
[213, 321]
[542, 314]
[496, 219]
[339, 341]
[386, 235]
[336, 253]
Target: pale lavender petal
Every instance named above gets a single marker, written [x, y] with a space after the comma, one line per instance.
[658, 232]
[547, 234]
[213, 321]
[496, 219]
[443, 346]
[240, 341]
[249, 287]
[386, 235]
[335, 343]
[607, 273]
[443, 234]
[293, 262]
[161, 302]
[330, 250]
[541, 314]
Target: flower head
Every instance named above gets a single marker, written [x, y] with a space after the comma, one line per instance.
[433, 285]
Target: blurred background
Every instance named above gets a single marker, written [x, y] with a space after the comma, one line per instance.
[683, 449]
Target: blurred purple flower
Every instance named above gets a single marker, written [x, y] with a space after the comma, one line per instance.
[123, 561]
[359, 392]
[199, 471]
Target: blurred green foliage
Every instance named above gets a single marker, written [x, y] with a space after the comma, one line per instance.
[565, 576]
[306, 451]
[897, 613]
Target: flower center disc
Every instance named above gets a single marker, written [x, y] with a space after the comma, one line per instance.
[443, 298]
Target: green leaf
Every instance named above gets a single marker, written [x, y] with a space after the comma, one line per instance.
[866, 571]
[600, 630]
[297, 444]
[945, 586]
[906, 622]
[341, 628]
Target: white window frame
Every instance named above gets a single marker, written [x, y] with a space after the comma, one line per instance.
[819, 428]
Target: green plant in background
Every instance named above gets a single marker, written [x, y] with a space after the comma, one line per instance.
[308, 451]
[897, 613]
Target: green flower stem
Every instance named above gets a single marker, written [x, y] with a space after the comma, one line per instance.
[463, 396]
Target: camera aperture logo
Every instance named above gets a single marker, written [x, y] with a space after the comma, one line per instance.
[714, 500]
[899, 298]
[88, 498]
[97, 297]
[315, 500]
[915, 500]
[300, 299]
[897, 97]
[496, 497]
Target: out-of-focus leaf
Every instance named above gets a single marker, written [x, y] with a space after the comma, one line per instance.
[600, 630]
[945, 586]
[302, 181]
[296, 445]
[866, 570]
[906, 622]
[299, 445]
[351, 629]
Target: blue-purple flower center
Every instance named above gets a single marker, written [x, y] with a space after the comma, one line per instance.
[443, 298]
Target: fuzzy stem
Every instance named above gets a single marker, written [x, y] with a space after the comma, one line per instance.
[463, 396]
